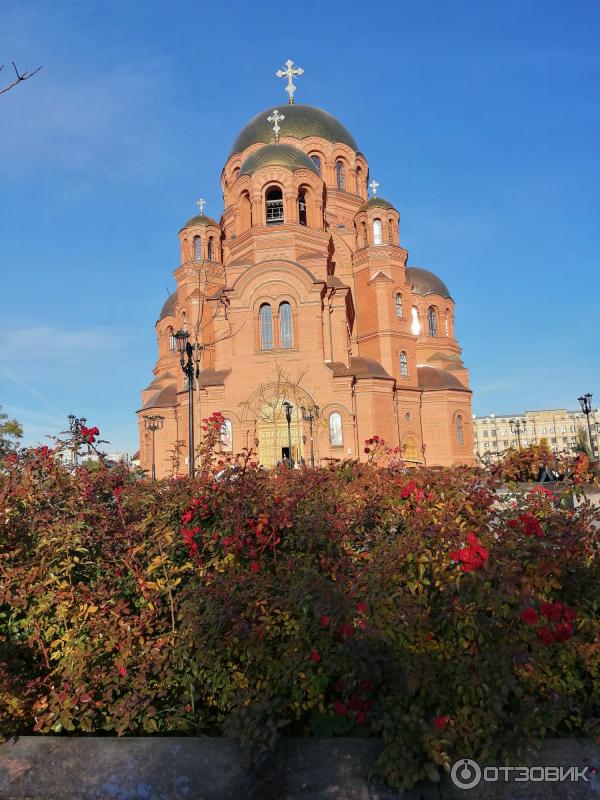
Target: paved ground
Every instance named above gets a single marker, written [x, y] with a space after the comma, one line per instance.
[205, 768]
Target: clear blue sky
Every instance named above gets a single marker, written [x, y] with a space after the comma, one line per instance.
[479, 119]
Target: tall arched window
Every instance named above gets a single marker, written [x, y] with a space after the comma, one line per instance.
[266, 327]
[335, 430]
[364, 234]
[172, 342]
[460, 437]
[377, 233]
[317, 161]
[286, 338]
[391, 232]
[403, 365]
[399, 308]
[227, 435]
[197, 248]
[211, 249]
[184, 325]
[415, 325]
[340, 175]
[302, 208]
[432, 321]
[447, 322]
[274, 206]
[358, 180]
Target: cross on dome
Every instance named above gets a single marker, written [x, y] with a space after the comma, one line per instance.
[201, 203]
[373, 186]
[289, 73]
[276, 118]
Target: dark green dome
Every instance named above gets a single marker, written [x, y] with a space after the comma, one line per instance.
[200, 219]
[280, 155]
[425, 282]
[376, 202]
[168, 309]
[300, 121]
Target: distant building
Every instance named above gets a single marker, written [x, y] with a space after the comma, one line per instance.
[558, 426]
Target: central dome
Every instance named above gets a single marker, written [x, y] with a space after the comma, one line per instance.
[300, 122]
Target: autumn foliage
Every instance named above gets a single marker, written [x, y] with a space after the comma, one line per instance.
[421, 607]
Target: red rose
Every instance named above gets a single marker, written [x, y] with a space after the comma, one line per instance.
[187, 517]
[346, 631]
[546, 636]
[361, 607]
[551, 611]
[122, 672]
[407, 490]
[360, 718]
[340, 708]
[254, 566]
[314, 656]
[325, 620]
[367, 449]
[530, 616]
[441, 722]
[564, 631]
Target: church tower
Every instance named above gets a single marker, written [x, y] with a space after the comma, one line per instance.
[300, 299]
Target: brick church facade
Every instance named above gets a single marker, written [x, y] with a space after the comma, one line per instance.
[302, 293]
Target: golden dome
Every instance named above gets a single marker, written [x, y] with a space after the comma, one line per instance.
[280, 155]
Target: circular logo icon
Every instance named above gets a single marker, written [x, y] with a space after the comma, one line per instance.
[465, 773]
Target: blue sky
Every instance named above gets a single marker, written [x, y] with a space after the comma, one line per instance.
[479, 119]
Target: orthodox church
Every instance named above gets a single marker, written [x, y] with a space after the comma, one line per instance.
[307, 329]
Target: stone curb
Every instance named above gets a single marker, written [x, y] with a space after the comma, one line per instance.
[210, 768]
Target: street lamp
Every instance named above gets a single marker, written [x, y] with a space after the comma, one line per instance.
[310, 415]
[516, 426]
[186, 349]
[586, 407]
[287, 407]
[153, 423]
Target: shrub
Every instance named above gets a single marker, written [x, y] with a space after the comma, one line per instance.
[359, 600]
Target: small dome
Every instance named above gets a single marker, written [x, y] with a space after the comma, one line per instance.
[200, 219]
[425, 282]
[376, 202]
[280, 155]
[300, 122]
[168, 309]
[432, 379]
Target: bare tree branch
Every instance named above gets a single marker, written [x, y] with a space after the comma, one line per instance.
[21, 76]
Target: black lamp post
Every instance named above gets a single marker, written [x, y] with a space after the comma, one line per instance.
[186, 349]
[153, 423]
[516, 426]
[287, 407]
[586, 407]
[75, 426]
[310, 415]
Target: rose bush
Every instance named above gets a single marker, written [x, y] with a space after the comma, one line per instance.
[418, 606]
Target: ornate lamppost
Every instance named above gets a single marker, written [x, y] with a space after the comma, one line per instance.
[190, 370]
[287, 407]
[153, 423]
[516, 426]
[586, 406]
[75, 426]
[310, 415]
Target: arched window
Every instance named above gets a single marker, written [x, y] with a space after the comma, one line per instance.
[447, 322]
[415, 326]
[227, 435]
[377, 234]
[335, 430]
[172, 342]
[301, 208]
[391, 232]
[266, 327]
[211, 249]
[460, 437]
[197, 248]
[184, 325]
[340, 175]
[432, 321]
[286, 338]
[317, 161]
[403, 365]
[358, 180]
[399, 309]
[364, 234]
[274, 206]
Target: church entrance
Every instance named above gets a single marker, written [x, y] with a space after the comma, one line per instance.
[273, 439]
